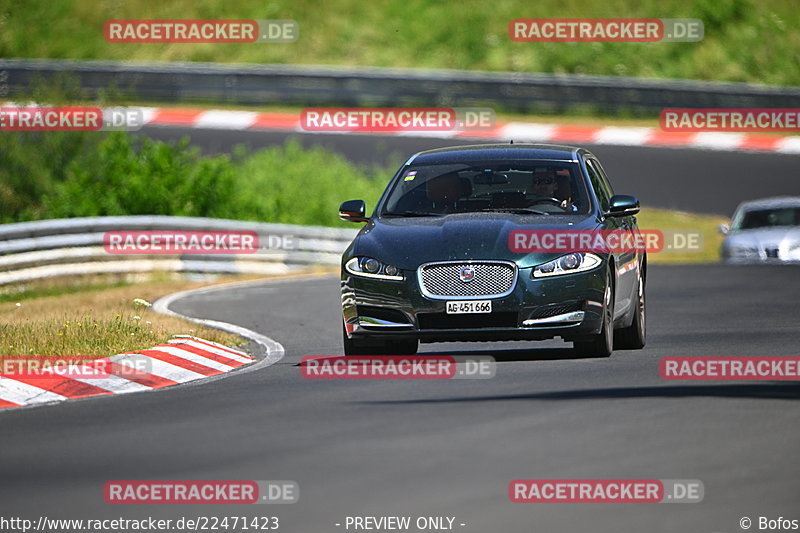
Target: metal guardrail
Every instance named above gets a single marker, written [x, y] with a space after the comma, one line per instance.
[323, 86]
[50, 248]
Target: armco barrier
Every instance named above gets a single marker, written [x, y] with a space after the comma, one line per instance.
[49, 248]
[324, 86]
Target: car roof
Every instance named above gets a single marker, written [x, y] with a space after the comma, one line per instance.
[497, 152]
[766, 203]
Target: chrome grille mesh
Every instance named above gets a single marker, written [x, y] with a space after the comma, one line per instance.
[441, 280]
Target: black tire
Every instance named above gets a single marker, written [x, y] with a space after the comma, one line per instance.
[354, 347]
[359, 347]
[602, 345]
[634, 337]
[404, 347]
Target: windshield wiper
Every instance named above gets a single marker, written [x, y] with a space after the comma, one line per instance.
[515, 210]
[410, 214]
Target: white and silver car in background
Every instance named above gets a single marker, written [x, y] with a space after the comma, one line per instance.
[764, 231]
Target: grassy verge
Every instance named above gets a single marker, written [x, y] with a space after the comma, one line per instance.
[93, 317]
[745, 40]
[666, 220]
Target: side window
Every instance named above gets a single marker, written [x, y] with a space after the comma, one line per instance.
[598, 184]
[603, 178]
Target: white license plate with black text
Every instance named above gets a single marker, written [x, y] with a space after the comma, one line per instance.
[460, 307]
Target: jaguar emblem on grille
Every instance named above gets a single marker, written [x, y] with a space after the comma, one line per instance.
[466, 274]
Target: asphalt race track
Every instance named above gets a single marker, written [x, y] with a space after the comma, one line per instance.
[447, 447]
[450, 448]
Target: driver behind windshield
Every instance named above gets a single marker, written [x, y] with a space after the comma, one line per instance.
[546, 184]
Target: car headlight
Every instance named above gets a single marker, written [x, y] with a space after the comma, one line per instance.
[368, 267]
[567, 264]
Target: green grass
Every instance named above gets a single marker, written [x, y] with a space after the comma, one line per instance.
[75, 175]
[664, 219]
[745, 40]
[56, 287]
[292, 185]
[95, 321]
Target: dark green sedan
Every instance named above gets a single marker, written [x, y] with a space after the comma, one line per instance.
[495, 242]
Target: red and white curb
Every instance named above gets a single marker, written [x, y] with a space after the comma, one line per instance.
[503, 131]
[180, 360]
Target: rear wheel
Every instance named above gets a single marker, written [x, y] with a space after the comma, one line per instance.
[634, 336]
[602, 345]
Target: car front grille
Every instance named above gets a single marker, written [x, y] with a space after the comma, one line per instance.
[490, 280]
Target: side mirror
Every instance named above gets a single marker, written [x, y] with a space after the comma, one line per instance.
[622, 205]
[724, 229]
[353, 211]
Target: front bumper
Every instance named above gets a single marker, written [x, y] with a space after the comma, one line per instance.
[568, 306]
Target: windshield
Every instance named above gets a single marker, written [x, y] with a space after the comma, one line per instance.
[764, 218]
[530, 187]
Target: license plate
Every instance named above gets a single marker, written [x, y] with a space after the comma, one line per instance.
[469, 306]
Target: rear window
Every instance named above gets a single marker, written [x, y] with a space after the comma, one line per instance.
[549, 187]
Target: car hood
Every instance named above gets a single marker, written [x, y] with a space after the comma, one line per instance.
[761, 238]
[410, 242]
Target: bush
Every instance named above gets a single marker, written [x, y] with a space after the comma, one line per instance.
[292, 185]
[31, 164]
[59, 175]
[146, 177]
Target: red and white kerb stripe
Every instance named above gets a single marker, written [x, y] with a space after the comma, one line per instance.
[182, 359]
[502, 131]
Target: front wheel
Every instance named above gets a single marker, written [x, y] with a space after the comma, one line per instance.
[634, 336]
[361, 347]
[602, 345]
[353, 346]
